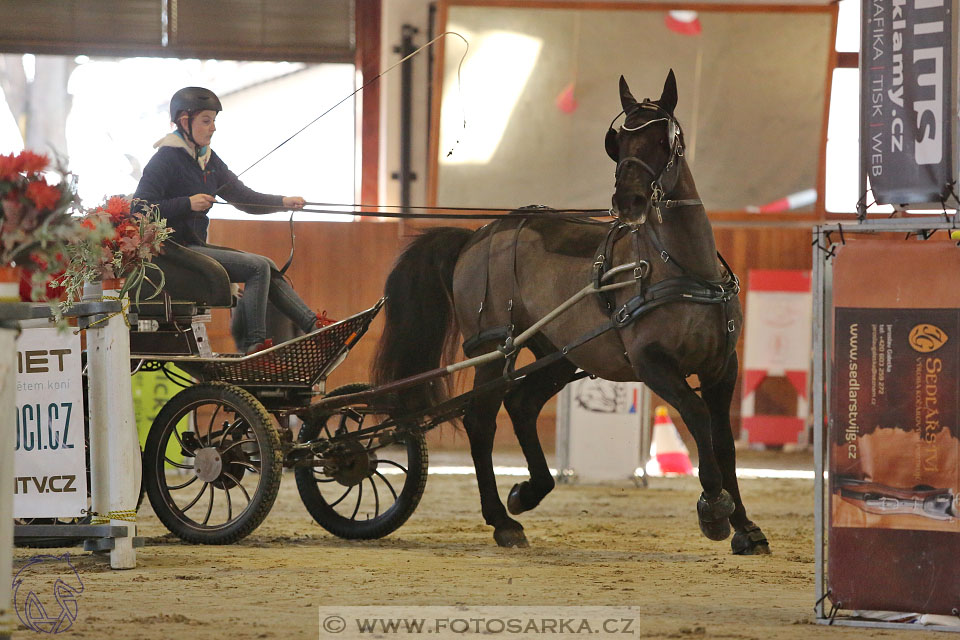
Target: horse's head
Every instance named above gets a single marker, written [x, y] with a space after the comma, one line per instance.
[647, 149]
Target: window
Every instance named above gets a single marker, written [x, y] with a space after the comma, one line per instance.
[119, 109]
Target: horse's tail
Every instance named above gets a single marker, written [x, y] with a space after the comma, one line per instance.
[421, 325]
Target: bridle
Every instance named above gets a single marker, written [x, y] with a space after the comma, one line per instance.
[656, 199]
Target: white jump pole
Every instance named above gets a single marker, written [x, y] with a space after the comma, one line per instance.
[114, 449]
[8, 380]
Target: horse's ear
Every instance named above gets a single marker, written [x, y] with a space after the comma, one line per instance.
[668, 99]
[611, 145]
[626, 98]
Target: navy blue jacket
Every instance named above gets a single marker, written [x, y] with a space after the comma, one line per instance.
[172, 176]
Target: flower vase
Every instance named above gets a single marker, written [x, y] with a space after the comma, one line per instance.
[108, 288]
[112, 286]
[10, 284]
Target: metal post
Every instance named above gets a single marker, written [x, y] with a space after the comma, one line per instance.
[8, 381]
[405, 175]
[819, 358]
[114, 449]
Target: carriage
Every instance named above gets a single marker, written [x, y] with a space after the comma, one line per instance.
[213, 459]
[667, 309]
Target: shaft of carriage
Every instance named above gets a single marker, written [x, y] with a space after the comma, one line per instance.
[507, 350]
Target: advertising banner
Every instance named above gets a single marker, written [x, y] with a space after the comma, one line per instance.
[906, 93]
[152, 390]
[50, 466]
[600, 429]
[893, 437]
[895, 445]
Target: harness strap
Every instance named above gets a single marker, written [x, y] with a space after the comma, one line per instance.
[485, 265]
[487, 335]
[673, 204]
[679, 289]
[513, 273]
[602, 262]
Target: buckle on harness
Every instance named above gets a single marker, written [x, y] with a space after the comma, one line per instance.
[641, 270]
[507, 348]
[731, 326]
[665, 256]
[598, 263]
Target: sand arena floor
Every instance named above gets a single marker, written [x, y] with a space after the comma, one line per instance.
[610, 545]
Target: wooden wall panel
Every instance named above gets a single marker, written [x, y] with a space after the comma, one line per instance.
[341, 267]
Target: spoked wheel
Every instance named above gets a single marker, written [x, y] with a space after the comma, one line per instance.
[364, 490]
[212, 463]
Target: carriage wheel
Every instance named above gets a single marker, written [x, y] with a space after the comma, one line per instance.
[212, 463]
[364, 492]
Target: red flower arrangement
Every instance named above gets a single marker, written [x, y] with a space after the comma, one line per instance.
[135, 235]
[36, 223]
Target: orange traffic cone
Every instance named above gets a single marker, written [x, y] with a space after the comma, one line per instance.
[666, 448]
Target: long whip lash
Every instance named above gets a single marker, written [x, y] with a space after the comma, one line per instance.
[362, 87]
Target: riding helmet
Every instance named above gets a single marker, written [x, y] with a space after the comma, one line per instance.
[192, 99]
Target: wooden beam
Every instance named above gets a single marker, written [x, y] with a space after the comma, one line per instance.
[757, 7]
[368, 35]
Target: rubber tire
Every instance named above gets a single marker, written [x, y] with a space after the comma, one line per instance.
[387, 522]
[271, 457]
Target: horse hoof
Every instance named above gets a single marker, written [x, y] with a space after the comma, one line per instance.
[750, 542]
[714, 515]
[511, 538]
[514, 502]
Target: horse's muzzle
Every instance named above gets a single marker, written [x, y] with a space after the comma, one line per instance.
[629, 206]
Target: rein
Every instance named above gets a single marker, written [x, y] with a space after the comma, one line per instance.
[482, 213]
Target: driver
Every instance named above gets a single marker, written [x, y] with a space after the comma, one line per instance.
[183, 178]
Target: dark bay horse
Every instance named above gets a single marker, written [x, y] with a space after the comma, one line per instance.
[677, 316]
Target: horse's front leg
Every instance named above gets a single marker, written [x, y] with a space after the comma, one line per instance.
[524, 404]
[748, 539]
[480, 423]
[664, 378]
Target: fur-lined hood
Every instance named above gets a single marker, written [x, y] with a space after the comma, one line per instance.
[174, 140]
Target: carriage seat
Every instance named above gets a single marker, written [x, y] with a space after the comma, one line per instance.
[193, 282]
[169, 322]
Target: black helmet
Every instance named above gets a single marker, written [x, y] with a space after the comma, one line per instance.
[191, 99]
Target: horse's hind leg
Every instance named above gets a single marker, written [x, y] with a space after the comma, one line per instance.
[480, 423]
[748, 539]
[524, 404]
[715, 505]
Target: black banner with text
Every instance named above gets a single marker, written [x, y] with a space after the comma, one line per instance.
[905, 99]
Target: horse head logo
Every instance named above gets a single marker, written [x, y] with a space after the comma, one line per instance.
[925, 338]
[32, 582]
[602, 396]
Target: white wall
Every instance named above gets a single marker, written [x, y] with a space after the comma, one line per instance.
[395, 14]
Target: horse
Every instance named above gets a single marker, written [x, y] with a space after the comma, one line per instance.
[678, 315]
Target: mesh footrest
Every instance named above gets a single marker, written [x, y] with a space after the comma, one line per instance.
[301, 362]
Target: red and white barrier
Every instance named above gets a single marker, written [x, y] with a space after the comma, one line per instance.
[777, 343]
[686, 23]
[793, 201]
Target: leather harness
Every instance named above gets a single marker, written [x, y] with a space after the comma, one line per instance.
[685, 287]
